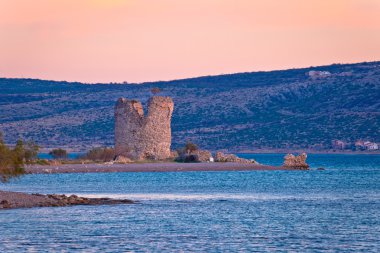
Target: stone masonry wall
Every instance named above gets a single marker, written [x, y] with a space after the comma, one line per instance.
[143, 137]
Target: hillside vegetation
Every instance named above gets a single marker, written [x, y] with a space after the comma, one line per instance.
[246, 111]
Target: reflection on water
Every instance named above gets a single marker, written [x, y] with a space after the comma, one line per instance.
[332, 210]
[215, 196]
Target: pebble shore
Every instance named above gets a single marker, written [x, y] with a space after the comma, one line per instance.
[10, 200]
[148, 167]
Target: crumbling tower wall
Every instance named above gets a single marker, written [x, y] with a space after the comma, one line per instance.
[141, 137]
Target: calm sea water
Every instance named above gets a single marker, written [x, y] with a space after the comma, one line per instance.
[69, 155]
[337, 209]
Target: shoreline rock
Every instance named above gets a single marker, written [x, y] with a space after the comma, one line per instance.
[11, 200]
[296, 162]
[220, 157]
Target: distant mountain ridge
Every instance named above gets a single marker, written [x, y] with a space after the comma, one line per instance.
[285, 109]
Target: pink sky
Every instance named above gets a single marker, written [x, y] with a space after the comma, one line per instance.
[147, 40]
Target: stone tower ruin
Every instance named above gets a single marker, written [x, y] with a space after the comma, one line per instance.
[141, 137]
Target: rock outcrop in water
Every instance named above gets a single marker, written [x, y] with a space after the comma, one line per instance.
[141, 137]
[298, 162]
[10, 200]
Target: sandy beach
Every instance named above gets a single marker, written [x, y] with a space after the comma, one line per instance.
[147, 167]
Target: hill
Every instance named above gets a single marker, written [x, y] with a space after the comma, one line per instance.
[289, 109]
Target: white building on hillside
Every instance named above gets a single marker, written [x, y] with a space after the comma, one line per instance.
[318, 74]
[371, 145]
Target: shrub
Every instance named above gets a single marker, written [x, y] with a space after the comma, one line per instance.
[185, 153]
[100, 154]
[42, 162]
[155, 90]
[191, 159]
[58, 153]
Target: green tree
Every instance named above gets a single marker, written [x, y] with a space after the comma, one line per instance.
[58, 153]
[190, 147]
[31, 151]
[19, 152]
[11, 162]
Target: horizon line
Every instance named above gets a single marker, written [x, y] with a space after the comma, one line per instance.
[194, 77]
